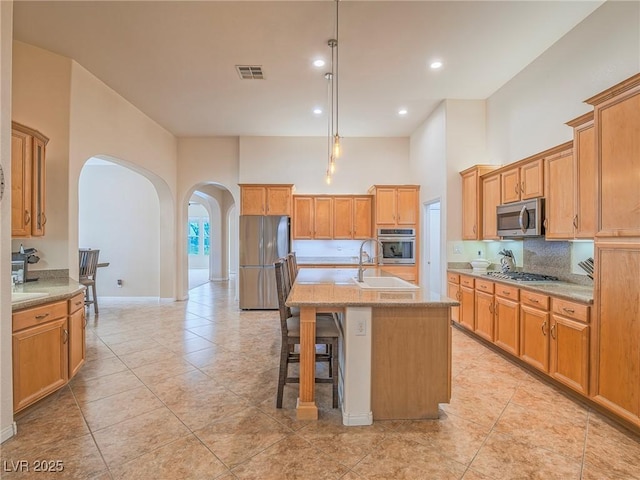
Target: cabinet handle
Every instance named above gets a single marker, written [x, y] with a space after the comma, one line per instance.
[553, 327]
[27, 217]
[491, 309]
[545, 223]
[534, 300]
[79, 303]
[522, 188]
[575, 221]
[474, 229]
[44, 218]
[505, 292]
[41, 317]
[516, 188]
[66, 335]
[84, 317]
[568, 310]
[543, 326]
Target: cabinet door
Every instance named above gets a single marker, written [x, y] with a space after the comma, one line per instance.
[490, 202]
[534, 337]
[470, 206]
[253, 200]
[407, 199]
[484, 315]
[278, 200]
[618, 146]
[39, 362]
[586, 179]
[569, 361]
[302, 217]
[77, 353]
[362, 218]
[559, 202]
[405, 272]
[386, 206]
[323, 218]
[507, 325]
[532, 180]
[21, 152]
[510, 185]
[453, 291]
[343, 218]
[617, 328]
[38, 194]
[467, 307]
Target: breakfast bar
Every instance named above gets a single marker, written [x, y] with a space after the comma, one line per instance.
[395, 355]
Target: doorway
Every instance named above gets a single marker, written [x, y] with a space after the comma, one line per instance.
[198, 244]
[432, 247]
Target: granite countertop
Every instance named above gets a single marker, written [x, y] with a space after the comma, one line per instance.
[569, 291]
[335, 287]
[302, 261]
[55, 288]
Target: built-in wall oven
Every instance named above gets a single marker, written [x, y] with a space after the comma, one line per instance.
[398, 245]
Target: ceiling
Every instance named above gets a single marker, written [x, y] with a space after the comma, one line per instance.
[175, 60]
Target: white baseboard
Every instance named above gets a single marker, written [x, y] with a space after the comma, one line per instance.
[8, 432]
[356, 419]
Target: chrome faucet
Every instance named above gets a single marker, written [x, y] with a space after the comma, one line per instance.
[360, 266]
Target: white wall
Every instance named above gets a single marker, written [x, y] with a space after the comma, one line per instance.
[527, 115]
[6, 384]
[119, 214]
[303, 161]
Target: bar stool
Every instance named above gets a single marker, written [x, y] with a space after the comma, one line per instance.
[88, 268]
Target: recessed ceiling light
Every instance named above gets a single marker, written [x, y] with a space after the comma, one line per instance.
[437, 64]
[318, 63]
[317, 111]
[403, 111]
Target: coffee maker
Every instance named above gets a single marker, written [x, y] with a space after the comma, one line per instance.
[24, 257]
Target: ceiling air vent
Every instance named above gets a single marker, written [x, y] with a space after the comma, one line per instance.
[250, 72]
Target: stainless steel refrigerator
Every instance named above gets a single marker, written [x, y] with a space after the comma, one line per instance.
[263, 239]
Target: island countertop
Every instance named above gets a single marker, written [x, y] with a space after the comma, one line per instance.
[335, 287]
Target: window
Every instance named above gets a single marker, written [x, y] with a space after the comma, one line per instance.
[199, 239]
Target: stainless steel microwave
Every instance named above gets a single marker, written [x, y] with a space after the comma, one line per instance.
[521, 219]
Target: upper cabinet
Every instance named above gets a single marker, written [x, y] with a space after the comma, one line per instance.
[560, 219]
[352, 217]
[617, 146]
[326, 217]
[28, 152]
[490, 187]
[396, 205]
[523, 181]
[265, 199]
[472, 201]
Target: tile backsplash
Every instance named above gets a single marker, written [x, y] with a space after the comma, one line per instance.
[552, 258]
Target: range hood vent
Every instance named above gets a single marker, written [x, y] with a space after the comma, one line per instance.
[250, 72]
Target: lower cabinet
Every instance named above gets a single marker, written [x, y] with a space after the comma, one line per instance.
[467, 302]
[534, 330]
[408, 273]
[507, 319]
[48, 349]
[453, 291]
[484, 305]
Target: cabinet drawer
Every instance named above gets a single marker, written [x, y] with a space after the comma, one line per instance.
[467, 281]
[507, 291]
[534, 299]
[76, 303]
[38, 315]
[484, 286]
[566, 308]
[453, 277]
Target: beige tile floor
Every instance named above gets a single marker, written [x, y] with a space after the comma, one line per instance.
[187, 391]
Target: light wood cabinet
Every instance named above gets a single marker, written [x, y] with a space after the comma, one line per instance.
[617, 141]
[472, 201]
[616, 324]
[569, 337]
[265, 199]
[560, 220]
[585, 176]
[40, 353]
[507, 318]
[490, 187]
[352, 217]
[303, 217]
[323, 218]
[467, 302]
[396, 205]
[523, 181]
[77, 340]
[484, 306]
[534, 330]
[453, 291]
[407, 272]
[28, 168]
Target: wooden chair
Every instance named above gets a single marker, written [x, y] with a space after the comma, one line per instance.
[293, 266]
[88, 269]
[326, 334]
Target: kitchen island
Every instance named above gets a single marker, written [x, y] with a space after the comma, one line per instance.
[395, 355]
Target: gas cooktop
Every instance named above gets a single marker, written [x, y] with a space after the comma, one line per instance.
[522, 276]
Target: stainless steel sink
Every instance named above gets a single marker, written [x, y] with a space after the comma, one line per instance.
[385, 283]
